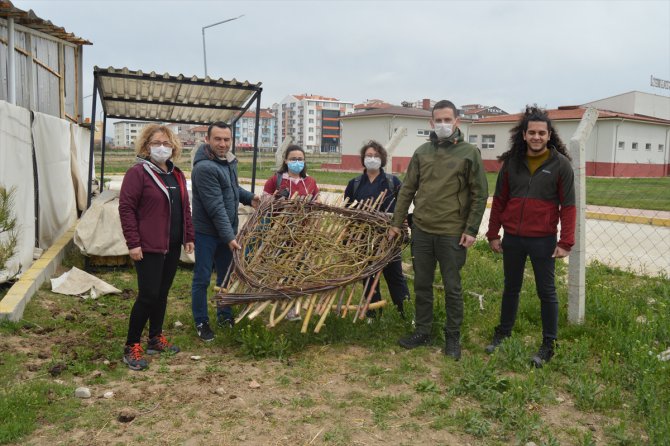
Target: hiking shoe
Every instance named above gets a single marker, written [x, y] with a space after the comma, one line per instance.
[544, 354]
[205, 332]
[160, 344]
[414, 340]
[498, 337]
[225, 321]
[452, 345]
[133, 355]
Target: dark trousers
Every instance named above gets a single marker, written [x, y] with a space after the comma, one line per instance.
[395, 279]
[155, 273]
[515, 251]
[427, 251]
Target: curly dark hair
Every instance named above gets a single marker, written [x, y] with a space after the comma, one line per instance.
[381, 151]
[518, 147]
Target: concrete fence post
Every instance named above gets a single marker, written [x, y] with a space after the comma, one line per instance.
[577, 267]
[397, 136]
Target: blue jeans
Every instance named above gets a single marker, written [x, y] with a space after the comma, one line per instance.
[209, 250]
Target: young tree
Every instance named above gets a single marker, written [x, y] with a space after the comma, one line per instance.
[8, 234]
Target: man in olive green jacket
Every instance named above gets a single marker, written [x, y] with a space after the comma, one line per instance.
[447, 182]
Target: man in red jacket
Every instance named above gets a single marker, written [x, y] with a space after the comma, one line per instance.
[535, 189]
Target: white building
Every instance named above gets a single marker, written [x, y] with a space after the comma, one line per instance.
[380, 125]
[635, 103]
[312, 121]
[621, 144]
[125, 132]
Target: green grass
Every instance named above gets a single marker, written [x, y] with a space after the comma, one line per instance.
[605, 370]
[639, 193]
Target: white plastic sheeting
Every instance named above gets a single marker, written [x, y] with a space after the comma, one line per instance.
[80, 151]
[61, 153]
[80, 283]
[99, 231]
[57, 202]
[16, 171]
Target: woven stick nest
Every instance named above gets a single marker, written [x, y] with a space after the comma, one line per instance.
[297, 252]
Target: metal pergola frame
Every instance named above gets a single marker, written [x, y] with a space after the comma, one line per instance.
[97, 74]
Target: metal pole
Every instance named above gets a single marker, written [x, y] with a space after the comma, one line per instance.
[204, 50]
[11, 63]
[90, 153]
[577, 267]
[253, 165]
[102, 147]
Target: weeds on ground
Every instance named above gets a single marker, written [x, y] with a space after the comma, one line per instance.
[606, 369]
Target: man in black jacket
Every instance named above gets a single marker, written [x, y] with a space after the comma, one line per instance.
[535, 189]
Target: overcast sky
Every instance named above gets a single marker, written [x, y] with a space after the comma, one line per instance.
[503, 53]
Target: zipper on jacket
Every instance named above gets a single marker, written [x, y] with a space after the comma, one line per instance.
[530, 180]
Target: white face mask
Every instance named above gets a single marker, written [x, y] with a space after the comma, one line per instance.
[372, 163]
[160, 154]
[443, 130]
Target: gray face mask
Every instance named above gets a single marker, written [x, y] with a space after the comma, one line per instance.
[443, 130]
[372, 162]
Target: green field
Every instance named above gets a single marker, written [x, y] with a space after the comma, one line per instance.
[637, 193]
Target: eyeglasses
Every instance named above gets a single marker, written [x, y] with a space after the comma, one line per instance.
[160, 143]
[296, 159]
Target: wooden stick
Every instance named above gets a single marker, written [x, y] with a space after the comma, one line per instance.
[305, 323]
[372, 306]
[271, 324]
[325, 313]
[362, 301]
[370, 294]
[347, 306]
[262, 306]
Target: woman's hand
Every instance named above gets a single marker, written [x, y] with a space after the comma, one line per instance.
[188, 247]
[136, 254]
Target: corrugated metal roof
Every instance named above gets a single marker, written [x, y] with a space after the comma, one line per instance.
[30, 20]
[163, 97]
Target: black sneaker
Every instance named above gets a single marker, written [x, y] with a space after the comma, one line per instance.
[205, 332]
[498, 337]
[225, 321]
[544, 354]
[414, 340]
[133, 355]
[452, 345]
[160, 344]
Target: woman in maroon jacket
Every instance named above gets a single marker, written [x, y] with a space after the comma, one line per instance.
[156, 220]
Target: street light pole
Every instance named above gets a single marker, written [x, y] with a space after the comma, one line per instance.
[204, 50]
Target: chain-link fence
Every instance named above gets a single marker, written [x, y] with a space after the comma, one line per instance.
[628, 223]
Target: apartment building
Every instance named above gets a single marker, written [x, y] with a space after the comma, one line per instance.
[244, 131]
[312, 121]
[125, 132]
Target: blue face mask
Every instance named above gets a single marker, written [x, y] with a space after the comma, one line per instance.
[295, 166]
